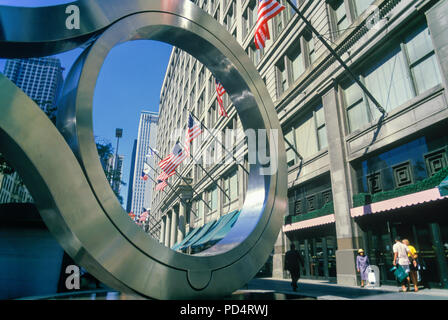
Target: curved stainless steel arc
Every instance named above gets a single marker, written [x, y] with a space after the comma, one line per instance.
[97, 233]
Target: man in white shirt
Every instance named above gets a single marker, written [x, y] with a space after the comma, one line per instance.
[401, 258]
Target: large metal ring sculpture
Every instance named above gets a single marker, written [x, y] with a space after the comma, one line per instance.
[63, 173]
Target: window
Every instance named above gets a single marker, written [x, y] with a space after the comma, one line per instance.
[200, 105]
[306, 138]
[282, 77]
[192, 96]
[278, 25]
[340, 18]
[249, 17]
[362, 5]
[230, 186]
[320, 127]
[290, 12]
[299, 56]
[308, 135]
[255, 54]
[290, 154]
[230, 17]
[394, 79]
[388, 82]
[201, 76]
[356, 108]
[212, 199]
[422, 60]
[310, 45]
[200, 210]
[295, 58]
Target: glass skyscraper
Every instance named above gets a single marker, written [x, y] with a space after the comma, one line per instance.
[141, 189]
[41, 79]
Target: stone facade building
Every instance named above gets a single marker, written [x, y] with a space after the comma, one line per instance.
[362, 178]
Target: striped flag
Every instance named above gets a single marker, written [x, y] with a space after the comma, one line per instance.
[131, 215]
[145, 172]
[161, 184]
[193, 131]
[171, 162]
[267, 9]
[143, 216]
[219, 93]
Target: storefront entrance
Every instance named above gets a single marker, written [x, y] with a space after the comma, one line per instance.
[425, 227]
[318, 248]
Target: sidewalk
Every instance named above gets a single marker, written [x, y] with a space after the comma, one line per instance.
[324, 290]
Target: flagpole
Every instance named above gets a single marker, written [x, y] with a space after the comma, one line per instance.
[174, 191]
[216, 139]
[206, 172]
[338, 58]
[180, 176]
[293, 149]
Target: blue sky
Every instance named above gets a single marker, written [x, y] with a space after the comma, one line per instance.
[33, 3]
[130, 81]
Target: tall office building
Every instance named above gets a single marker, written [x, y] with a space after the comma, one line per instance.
[362, 178]
[41, 79]
[131, 178]
[141, 189]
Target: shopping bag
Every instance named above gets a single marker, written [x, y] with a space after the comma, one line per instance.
[399, 273]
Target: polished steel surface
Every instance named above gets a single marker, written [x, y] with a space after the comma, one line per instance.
[84, 214]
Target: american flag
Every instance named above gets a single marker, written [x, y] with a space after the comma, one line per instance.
[171, 162]
[219, 93]
[161, 184]
[193, 131]
[143, 216]
[145, 172]
[267, 9]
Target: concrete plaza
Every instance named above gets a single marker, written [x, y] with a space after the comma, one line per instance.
[324, 290]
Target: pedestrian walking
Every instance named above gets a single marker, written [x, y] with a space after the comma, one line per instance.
[401, 259]
[413, 266]
[362, 265]
[293, 262]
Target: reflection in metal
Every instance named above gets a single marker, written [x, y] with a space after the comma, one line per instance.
[62, 170]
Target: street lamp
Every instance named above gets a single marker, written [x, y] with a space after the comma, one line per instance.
[118, 135]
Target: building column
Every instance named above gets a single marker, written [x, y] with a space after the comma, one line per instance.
[278, 259]
[167, 229]
[440, 253]
[174, 221]
[182, 222]
[438, 27]
[340, 177]
[162, 230]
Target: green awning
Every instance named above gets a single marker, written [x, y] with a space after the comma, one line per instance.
[443, 187]
[198, 235]
[190, 234]
[220, 225]
[221, 233]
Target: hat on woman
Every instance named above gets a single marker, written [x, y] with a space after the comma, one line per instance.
[360, 250]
